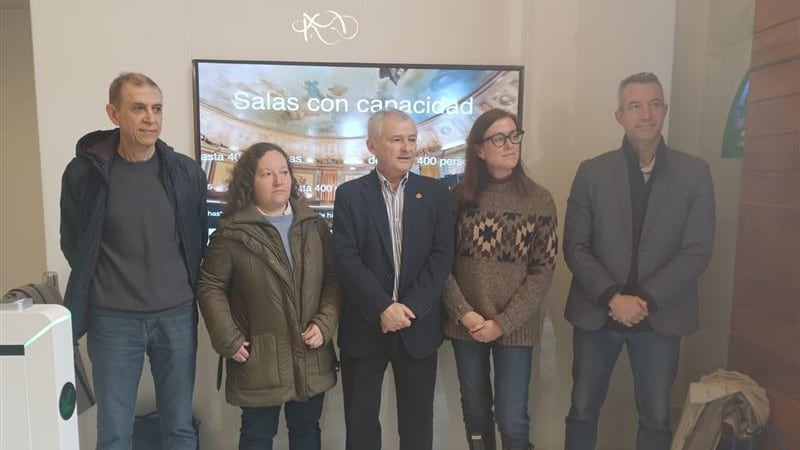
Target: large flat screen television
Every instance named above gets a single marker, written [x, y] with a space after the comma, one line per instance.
[318, 113]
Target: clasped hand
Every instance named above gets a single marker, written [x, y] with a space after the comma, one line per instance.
[628, 310]
[396, 317]
[312, 337]
[480, 329]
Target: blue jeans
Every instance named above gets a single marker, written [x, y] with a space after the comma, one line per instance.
[654, 362]
[259, 425]
[117, 346]
[512, 375]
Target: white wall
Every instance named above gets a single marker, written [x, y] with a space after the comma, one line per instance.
[578, 51]
[22, 258]
[713, 42]
[575, 53]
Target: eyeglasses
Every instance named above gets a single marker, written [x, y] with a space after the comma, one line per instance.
[499, 139]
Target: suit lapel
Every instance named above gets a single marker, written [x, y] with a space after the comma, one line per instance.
[659, 193]
[412, 204]
[622, 192]
[377, 209]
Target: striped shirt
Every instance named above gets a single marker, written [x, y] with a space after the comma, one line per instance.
[394, 210]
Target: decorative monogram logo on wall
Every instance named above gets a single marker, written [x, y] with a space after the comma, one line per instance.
[329, 27]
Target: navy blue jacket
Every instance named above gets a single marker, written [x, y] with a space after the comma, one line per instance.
[84, 192]
[364, 264]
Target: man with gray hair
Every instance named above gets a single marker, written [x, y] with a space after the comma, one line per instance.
[638, 232]
[393, 244]
[133, 229]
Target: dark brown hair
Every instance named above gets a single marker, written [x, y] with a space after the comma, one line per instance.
[476, 174]
[240, 185]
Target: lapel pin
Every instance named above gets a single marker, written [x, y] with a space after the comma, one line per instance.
[418, 196]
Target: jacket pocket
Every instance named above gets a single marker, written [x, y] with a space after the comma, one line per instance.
[262, 370]
[326, 358]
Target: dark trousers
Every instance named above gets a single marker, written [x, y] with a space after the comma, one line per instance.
[362, 380]
[654, 362]
[260, 425]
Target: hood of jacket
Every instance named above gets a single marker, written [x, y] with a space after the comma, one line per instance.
[102, 144]
[251, 215]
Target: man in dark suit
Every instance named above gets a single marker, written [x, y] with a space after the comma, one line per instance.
[393, 242]
[638, 233]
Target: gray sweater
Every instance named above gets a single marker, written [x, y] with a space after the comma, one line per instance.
[505, 256]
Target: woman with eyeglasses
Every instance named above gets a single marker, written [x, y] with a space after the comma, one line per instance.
[271, 302]
[505, 255]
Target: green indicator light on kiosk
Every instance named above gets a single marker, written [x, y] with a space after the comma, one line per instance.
[66, 401]
[45, 330]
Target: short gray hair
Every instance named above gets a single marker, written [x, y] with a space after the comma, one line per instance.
[133, 78]
[641, 78]
[375, 124]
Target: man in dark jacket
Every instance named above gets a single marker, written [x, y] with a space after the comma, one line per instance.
[638, 233]
[133, 229]
[393, 243]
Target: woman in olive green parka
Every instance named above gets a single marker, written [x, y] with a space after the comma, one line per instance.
[270, 300]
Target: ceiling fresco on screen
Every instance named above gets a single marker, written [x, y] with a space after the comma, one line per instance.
[335, 101]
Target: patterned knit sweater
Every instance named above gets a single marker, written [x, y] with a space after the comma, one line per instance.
[505, 256]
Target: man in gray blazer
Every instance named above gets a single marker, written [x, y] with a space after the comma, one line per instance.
[638, 233]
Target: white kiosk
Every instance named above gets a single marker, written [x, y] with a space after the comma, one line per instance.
[37, 378]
